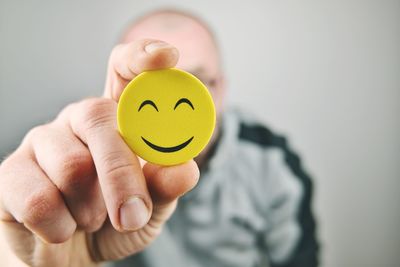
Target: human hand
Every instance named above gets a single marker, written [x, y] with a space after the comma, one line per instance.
[59, 186]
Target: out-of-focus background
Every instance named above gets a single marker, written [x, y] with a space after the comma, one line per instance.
[326, 73]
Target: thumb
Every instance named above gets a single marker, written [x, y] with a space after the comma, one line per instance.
[166, 184]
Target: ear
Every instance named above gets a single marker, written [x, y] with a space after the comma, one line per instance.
[220, 93]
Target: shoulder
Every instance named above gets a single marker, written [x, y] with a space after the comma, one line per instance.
[263, 160]
[254, 132]
[253, 136]
[249, 136]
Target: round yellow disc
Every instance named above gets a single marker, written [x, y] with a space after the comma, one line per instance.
[166, 116]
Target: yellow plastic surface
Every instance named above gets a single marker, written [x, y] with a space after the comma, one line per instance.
[166, 116]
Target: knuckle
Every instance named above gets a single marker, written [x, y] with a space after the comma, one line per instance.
[76, 172]
[83, 220]
[99, 219]
[75, 164]
[63, 115]
[115, 165]
[39, 207]
[7, 164]
[115, 51]
[92, 222]
[60, 238]
[97, 112]
[36, 133]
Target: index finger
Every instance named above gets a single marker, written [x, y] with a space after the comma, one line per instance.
[128, 60]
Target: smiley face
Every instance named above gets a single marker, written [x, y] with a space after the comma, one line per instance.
[166, 116]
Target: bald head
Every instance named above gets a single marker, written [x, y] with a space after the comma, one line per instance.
[186, 32]
[167, 21]
[198, 51]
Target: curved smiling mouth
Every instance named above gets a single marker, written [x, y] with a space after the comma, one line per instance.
[167, 149]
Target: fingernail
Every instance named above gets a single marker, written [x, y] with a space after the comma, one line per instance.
[133, 214]
[150, 48]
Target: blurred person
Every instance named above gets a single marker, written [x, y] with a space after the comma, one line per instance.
[73, 194]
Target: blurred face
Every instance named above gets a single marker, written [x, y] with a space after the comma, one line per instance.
[197, 49]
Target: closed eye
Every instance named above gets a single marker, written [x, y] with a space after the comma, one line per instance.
[183, 100]
[147, 102]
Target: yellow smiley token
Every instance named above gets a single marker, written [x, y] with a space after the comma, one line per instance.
[166, 116]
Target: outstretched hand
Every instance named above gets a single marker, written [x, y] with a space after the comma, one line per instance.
[74, 194]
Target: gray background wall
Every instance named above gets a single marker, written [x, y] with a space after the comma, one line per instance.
[327, 73]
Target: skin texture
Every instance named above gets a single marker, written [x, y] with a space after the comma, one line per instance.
[67, 198]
